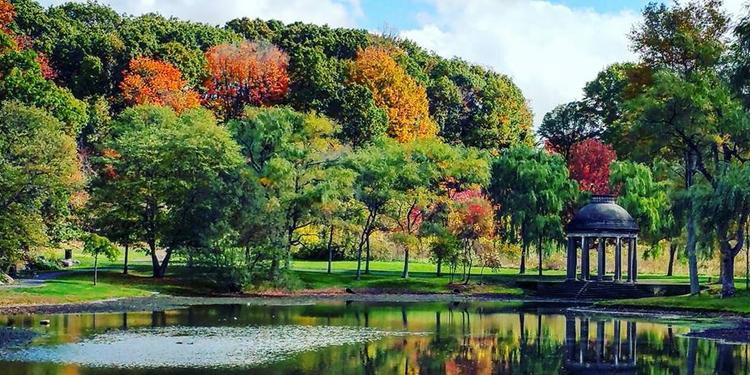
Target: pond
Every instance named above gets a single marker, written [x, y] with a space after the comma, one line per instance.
[364, 338]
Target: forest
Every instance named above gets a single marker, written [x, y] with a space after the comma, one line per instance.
[237, 149]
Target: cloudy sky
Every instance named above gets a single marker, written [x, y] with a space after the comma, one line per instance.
[549, 47]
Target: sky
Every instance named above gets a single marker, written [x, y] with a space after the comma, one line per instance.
[550, 48]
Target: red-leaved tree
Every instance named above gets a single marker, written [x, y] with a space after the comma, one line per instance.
[243, 74]
[589, 165]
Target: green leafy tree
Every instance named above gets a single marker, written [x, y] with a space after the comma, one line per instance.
[294, 158]
[381, 172]
[177, 170]
[38, 173]
[685, 107]
[532, 189]
[567, 125]
[96, 245]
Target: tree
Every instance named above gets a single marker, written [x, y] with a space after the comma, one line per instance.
[724, 208]
[470, 219]
[589, 165]
[362, 121]
[676, 112]
[22, 79]
[649, 201]
[685, 119]
[396, 92]
[149, 81]
[531, 189]
[472, 105]
[294, 157]
[38, 173]
[178, 170]
[567, 125]
[683, 38]
[379, 176]
[96, 245]
[243, 74]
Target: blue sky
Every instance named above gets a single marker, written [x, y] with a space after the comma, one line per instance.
[403, 14]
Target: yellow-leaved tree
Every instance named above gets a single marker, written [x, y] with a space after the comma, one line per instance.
[394, 90]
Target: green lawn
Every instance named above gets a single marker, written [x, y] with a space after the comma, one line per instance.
[79, 287]
[706, 301]
[391, 282]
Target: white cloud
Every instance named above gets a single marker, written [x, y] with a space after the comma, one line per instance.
[217, 12]
[549, 50]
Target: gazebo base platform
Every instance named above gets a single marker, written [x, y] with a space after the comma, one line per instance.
[602, 289]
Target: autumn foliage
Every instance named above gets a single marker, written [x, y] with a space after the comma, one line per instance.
[242, 74]
[589, 165]
[7, 13]
[472, 215]
[150, 81]
[396, 92]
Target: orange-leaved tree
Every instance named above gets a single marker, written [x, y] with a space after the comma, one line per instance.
[394, 90]
[150, 81]
[243, 74]
[7, 13]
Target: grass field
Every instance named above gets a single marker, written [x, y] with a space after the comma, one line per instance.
[384, 277]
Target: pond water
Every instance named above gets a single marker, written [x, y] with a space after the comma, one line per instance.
[364, 338]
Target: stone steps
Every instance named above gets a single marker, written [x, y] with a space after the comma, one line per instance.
[594, 290]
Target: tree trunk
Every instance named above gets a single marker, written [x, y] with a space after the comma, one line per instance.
[690, 167]
[405, 273]
[165, 263]
[539, 252]
[468, 256]
[274, 272]
[747, 264]
[439, 264]
[154, 259]
[672, 253]
[125, 264]
[330, 249]
[96, 268]
[361, 244]
[288, 250]
[367, 256]
[727, 270]
[522, 269]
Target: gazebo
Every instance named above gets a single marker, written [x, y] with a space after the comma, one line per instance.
[596, 223]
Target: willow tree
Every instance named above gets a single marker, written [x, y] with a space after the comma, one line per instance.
[532, 189]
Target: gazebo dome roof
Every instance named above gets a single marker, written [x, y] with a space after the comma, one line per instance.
[602, 215]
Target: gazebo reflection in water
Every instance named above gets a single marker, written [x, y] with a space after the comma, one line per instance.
[588, 349]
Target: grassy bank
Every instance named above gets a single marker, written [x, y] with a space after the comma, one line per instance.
[311, 277]
[707, 301]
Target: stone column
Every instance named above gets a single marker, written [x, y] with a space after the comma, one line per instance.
[618, 259]
[630, 259]
[600, 257]
[572, 258]
[585, 259]
[635, 259]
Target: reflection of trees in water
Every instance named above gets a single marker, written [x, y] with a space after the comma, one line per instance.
[460, 339]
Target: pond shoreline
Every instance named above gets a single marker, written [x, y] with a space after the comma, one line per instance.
[733, 327]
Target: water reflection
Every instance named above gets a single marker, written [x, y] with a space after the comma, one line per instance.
[417, 338]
